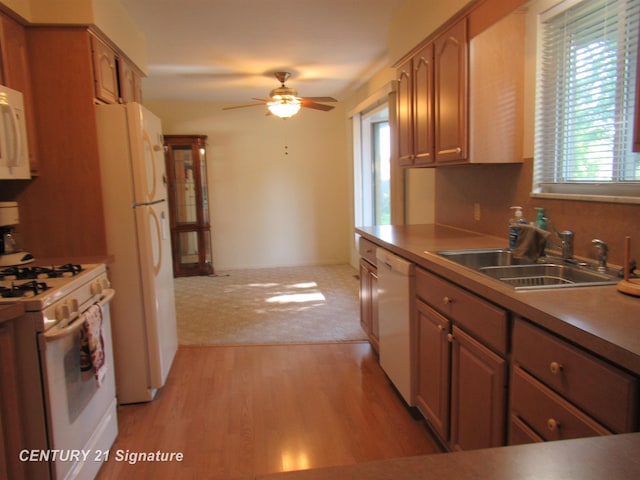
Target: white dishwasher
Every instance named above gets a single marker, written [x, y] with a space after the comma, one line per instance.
[395, 279]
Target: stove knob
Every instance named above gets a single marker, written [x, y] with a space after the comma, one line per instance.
[96, 288]
[73, 306]
[62, 312]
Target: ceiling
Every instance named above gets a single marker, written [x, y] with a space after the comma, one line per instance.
[227, 50]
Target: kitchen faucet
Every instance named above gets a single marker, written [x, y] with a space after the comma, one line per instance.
[566, 240]
[603, 250]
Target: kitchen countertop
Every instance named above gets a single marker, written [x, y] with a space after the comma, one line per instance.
[599, 318]
[614, 456]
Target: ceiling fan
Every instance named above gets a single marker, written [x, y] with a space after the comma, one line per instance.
[284, 101]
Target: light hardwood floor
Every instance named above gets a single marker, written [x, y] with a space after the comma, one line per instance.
[235, 412]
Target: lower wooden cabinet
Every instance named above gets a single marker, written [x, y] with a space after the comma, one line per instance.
[462, 383]
[369, 302]
[434, 367]
[485, 377]
[559, 391]
[478, 394]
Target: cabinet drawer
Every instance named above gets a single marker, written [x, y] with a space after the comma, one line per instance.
[603, 391]
[548, 414]
[367, 250]
[484, 320]
[520, 433]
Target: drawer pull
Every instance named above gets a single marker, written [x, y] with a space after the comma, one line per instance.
[555, 368]
[447, 300]
[553, 424]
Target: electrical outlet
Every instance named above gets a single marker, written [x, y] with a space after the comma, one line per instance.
[476, 212]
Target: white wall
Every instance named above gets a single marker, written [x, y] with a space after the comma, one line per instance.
[269, 209]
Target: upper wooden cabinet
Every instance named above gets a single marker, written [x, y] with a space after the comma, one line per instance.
[104, 71]
[115, 78]
[404, 113]
[460, 97]
[496, 92]
[451, 63]
[432, 101]
[415, 127]
[129, 82]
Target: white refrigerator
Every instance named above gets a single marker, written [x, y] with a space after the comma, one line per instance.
[134, 188]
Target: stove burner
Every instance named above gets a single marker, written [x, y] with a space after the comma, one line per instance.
[27, 289]
[35, 273]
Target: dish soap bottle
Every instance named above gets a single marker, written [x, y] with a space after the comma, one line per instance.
[514, 229]
[541, 221]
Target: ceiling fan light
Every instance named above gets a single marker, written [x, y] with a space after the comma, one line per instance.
[284, 107]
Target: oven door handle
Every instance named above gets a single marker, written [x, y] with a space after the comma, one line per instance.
[75, 326]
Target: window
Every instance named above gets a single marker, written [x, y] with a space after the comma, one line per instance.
[587, 65]
[372, 167]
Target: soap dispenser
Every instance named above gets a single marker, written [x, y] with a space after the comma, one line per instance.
[514, 229]
[541, 220]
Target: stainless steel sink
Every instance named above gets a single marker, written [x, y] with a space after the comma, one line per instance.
[547, 275]
[499, 264]
[477, 259]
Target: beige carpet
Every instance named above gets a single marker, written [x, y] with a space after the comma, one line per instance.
[269, 306]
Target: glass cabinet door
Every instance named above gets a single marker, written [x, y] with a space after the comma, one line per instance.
[185, 208]
[189, 204]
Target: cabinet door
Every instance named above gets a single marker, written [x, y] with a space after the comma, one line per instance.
[451, 94]
[478, 393]
[129, 82]
[423, 128]
[104, 71]
[432, 393]
[404, 112]
[369, 302]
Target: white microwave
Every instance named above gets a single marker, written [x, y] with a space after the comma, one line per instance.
[14, 150]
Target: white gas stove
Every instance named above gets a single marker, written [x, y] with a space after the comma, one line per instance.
[69, 397]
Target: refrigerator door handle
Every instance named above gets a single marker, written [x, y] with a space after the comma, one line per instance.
[146, 204]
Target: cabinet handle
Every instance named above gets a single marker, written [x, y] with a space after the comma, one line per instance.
[458, 150]
[553, 424]
[450, 337]
[447, 300]
[555, 368]
[440, 328]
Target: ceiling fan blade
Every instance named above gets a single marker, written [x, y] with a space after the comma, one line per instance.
[244, 106]
[316, 106]
[320, 99]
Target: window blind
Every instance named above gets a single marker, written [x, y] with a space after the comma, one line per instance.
[585, 98]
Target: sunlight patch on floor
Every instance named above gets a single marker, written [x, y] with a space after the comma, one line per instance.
[297, 298]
